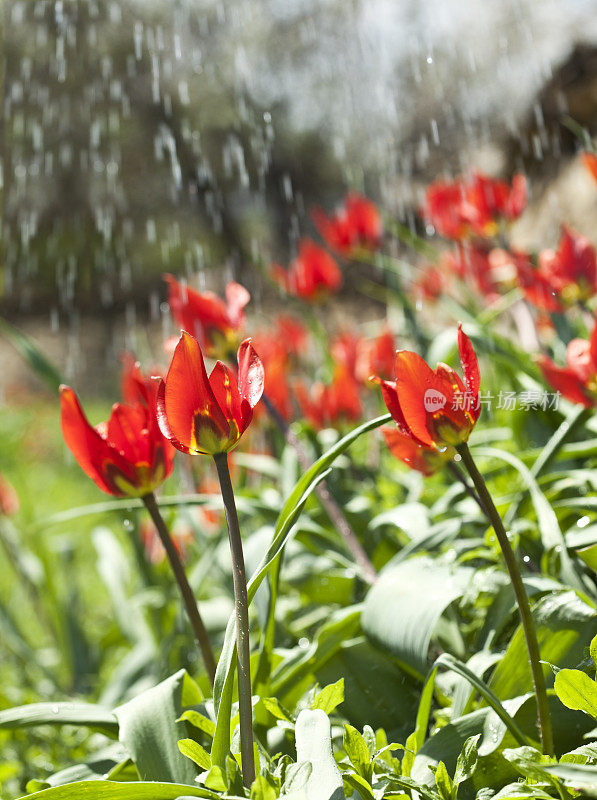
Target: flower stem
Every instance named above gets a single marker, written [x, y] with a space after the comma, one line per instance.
[522, 599]
[245, 708]
[326, 499]
[186, 592]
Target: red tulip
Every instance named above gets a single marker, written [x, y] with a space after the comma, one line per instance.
[136, 387]
[431, 284]
[9, 499]
[434, 407]
[277, 347]
[380, 356]
[571, 270]
[473, 263]
[356, 226]
[215, 323]
[313, 273]
[205, 415]
[473, 206]
[415, 455]
[126, 456]
[327, 405]
[577, 381]
[590, 162]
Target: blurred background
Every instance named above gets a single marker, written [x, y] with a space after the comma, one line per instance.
[192, 136]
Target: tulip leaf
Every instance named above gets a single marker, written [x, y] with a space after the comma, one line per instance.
[576, 690]
[290, 512]
[330, 697]
[85, 715]
[150, 732]
[394, 615]
[33, 355]
[111, 790]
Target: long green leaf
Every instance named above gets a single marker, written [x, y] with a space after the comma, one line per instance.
[110, 790]
[288, 515]
[449, 662]
[32, 354]
[84, 715]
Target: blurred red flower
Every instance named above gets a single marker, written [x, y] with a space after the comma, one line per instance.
[577, 381]
[571, 270]
[356, 226]
[313, 272]
[9, 499]
[473, 206]
[135, 386]
[215, 323]
[473, 263]
[434, 407]
[431, 284]
[126, 456]
[205, 415]
[154, 549]
[277, 347]
[323, 405]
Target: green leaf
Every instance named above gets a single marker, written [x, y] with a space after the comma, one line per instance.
[33, 355]
[593, 650]
[357, 751]
[193, 750]
[581, 777]
[83, 715]
[224, 682]
[564, 623]
[359, 783]
[443, 781]
[262, 789]
[449, 662]
[417, 737]
[198, 721]
[109, 790]
[272, 704]
[150, 732]
[576, 691]
[467, 760]
[402, 609]
[330, 697]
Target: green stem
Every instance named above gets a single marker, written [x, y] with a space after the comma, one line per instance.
[241, 604]
[522, 599]
[186, 592]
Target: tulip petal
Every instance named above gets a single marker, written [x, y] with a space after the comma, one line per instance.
[188, 399]
[415, 381]
[237, 298]
[251, 375]
[163, 423]
[92, 452]
[593, 349]
[470, 365]
[126, 430]
[564, 380]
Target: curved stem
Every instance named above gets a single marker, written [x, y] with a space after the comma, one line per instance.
[326, 499]
[522, 599]
[186, 592]
[241, 604]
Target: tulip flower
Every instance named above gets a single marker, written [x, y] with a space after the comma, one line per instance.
[434, 407]
[9, 499]
[571, 270]
[126, 456]
[415, 455]
[215, 323]
[590, 162]
[474, 206]
[473, 263]
[577, 381]
[431, 284]
[356, 226]
[201, 415]
[325, 405]
[135, 386]
[208, 415]
[379, 356]
[312, 274]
